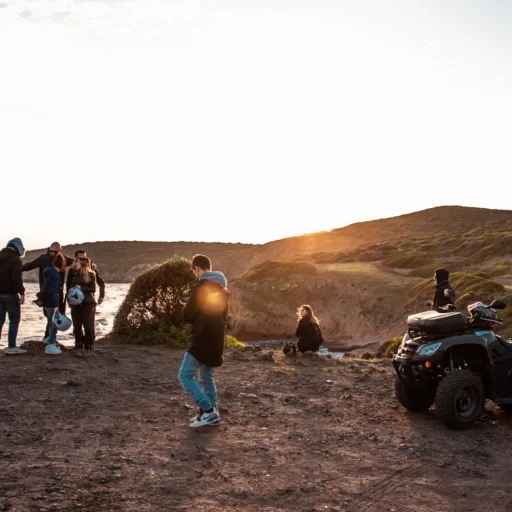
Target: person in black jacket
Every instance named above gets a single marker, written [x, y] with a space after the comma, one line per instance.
[12, 291]
[82, 315]
[44, 261]
[99, 281]
[444, 295]
[308, 330]
[207, 311]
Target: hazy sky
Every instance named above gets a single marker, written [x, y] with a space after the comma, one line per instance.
[247, 120]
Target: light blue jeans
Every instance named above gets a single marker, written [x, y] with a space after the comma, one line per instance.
[52, 330]
[203, 392]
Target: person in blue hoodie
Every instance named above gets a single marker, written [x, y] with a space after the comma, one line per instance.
[50, 296]
[207, 311]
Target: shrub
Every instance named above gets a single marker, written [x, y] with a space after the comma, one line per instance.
[388, 348]
[151, 309]
[232, 342]
[366, 355]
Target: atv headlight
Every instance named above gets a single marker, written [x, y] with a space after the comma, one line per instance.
[428, 350]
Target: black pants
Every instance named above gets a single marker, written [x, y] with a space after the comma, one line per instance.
[83, 317]
[62, 302]
[304, 347]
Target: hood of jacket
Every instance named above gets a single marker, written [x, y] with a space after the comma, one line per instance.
[214, 277]
[441, 276]
[7, 254]
[49, 271]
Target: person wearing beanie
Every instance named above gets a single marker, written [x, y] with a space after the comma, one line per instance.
[444, 294]
[12, 291]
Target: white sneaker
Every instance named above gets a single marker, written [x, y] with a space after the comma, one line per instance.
[207, 418]
[53, 349]
[196, 418]
[15, 350]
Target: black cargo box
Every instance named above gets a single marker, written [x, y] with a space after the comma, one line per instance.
[432, 322]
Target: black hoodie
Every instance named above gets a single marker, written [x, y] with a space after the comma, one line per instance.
[207, 311]
[11, 277]
[444, 293]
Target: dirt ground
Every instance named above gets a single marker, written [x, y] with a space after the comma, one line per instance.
[109, 431]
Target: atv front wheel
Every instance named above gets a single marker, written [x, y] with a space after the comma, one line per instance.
[412, 399]
[460, 399]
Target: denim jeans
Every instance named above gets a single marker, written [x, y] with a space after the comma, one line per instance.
[203, 392]
[10, 304]
[52, 330]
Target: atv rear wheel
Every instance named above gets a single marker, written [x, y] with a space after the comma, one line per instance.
[460, 399]
[412, 399]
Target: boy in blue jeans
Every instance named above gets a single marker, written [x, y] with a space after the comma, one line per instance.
[207, 311]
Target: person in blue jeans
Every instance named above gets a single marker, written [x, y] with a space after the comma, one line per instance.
[50, 295]
[207, 311]
[12, 291]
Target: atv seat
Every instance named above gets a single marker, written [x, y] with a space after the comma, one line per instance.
[436, 324]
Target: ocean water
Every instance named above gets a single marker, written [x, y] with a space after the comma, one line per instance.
[33, 321]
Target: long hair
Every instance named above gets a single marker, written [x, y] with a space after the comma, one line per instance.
[59, 262]
[310, 316]
[85, 269]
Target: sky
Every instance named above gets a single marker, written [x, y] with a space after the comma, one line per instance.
[247, 121]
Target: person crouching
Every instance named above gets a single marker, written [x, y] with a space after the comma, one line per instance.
[308, 330]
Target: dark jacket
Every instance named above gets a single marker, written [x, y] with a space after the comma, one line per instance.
[99, 280]
[44, 261]
[207, 311]
[89, 288]
[11, 277]
[444, 294]
[309, 334]
[50, 291]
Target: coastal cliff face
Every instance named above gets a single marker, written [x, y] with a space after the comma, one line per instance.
[356, 303]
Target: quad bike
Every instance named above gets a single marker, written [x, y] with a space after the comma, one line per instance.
[456, 362]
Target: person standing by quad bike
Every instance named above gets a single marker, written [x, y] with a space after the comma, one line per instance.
[444, 296]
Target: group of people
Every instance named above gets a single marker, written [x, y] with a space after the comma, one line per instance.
[206, 309]
[83, 275]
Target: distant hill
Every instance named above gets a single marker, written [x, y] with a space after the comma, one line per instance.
[120, 262]
[403, 230]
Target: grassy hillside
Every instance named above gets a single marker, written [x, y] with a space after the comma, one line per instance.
[467, 231]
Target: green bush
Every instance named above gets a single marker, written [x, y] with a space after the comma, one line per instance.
[232, 342]
[388, 348]
[151, 309]
[151, 313]
[366, 355]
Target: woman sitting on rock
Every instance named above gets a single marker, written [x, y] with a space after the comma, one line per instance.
[308, 331]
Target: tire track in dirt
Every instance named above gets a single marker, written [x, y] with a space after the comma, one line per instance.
[369, 499]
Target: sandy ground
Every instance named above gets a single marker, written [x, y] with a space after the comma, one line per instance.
[109, 431]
